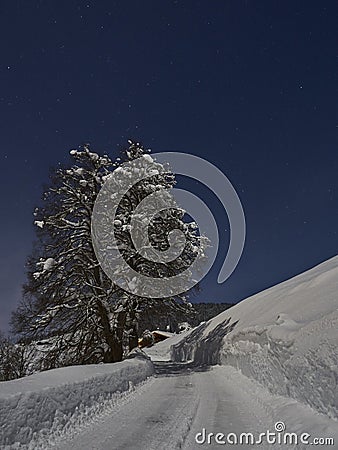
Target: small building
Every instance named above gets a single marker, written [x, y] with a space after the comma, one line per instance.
[152, 337]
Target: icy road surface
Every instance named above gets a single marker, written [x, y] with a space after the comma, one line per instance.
[168, 411]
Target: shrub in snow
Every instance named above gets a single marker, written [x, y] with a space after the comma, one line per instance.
[14, 359]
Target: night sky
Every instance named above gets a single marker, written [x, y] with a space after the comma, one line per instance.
[250, 85]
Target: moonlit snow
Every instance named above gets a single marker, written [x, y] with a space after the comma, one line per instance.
[37, 410]
[285, 338]
[271, 358]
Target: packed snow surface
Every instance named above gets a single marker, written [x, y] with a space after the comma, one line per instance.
[174, 407]
[36, 409]
[285, 337]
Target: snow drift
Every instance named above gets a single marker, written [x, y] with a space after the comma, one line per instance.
[37, 408]
[285, 338]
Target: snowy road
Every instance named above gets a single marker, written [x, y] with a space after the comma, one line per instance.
[168, 411]
[278, 351]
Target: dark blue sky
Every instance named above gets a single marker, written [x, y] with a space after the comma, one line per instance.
[251, 86]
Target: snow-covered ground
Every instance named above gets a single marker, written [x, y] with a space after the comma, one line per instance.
[285, 337]
[180, 402]
[41, 408]
[272, 359]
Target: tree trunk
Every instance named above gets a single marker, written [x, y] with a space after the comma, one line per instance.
[114, 342]
[118, 335]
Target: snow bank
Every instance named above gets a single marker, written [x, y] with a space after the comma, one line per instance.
[285, 337]
[35, 408]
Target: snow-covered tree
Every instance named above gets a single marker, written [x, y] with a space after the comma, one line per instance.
[68, 295]
[66, 292]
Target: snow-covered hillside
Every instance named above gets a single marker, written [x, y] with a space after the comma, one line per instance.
[285, 337]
